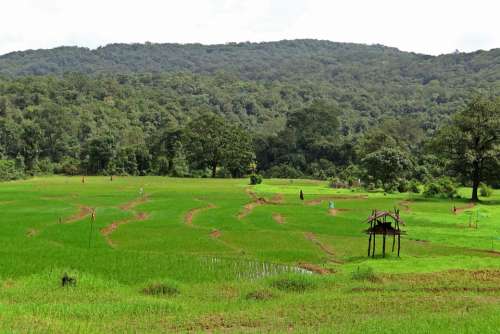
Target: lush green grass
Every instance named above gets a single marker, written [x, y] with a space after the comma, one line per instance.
[446, 280]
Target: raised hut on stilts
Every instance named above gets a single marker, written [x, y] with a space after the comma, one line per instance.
[384, 223]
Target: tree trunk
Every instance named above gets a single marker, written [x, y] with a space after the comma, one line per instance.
[475, 186]
[214, 169]
[476, 180]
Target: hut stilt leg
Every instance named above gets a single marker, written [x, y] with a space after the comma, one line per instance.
[393, 242]
[373, 250]
[383, 245]
[399, 243]
[369, 244]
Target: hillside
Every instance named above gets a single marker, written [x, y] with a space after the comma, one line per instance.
[130, 105]
[371, 80]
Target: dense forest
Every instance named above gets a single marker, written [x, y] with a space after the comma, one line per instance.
[301, 108]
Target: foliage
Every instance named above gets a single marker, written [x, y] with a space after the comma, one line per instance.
[485, 190]
[8, 171]
[442, 187]
[364, 274]
[163, 288]
[255, 179]
[388, 165]
[294, 283]
[263, 294]
[471, 143]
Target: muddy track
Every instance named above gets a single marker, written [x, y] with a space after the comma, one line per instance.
[334, 212]
[315, 268]
[258, 201]
[319, 200]
[325, 248]
[279, 218]
[129, 206]
[83, 212]
[188, 218]
[215, 234]
[405, 205]
[133, 203]
[32, 232]
[431, 289]
[463, 208]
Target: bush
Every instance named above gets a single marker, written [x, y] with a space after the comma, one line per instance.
[284, 172]
[294, 283]
[336, 183]
[8, 171]
[403, 186]
[260, 295]
[485, 191]
[443, 187]
[255, 179]
[69, 166]
[414, 187]
[168, 288]
[364, 274]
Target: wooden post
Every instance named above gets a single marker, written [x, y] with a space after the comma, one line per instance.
[393, 241]
[369, 244]
[373, 251]
[383, 245]
[399, 243]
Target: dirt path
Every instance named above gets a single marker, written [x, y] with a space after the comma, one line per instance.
[82, 213]
[215, 234]
[463, 208]
[334, 212]
[133, 203]
[325, 248]
[315, 268]
[319, 200]
[258, 201]
[406, 205]
[188, 218]
[279, 218]
[129, 206]
[32, 232]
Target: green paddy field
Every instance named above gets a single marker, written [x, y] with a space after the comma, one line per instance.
[208, 255]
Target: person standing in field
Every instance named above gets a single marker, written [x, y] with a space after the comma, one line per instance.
[301, 195]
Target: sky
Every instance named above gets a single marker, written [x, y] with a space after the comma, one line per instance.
[423, 26]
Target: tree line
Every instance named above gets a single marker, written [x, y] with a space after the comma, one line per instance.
[221, 126]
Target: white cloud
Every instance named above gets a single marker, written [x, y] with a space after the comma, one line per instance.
[426, 26]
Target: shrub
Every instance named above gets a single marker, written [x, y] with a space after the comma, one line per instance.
[403, 186]
[364, 274]
[69, 166]
[8, 171]
[284, 172]
[255, 179]
[414, 187]
[485, 191]
[443, 187]
[335, 182]
[166, 288]
[260, 295]
[294, 283]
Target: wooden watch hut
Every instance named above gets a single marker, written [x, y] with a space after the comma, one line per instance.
[384, 223]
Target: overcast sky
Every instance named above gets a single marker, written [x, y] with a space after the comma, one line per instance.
[424, 26]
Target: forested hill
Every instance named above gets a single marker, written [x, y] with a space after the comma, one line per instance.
[308, 106]
[369, 81]
[306, 59]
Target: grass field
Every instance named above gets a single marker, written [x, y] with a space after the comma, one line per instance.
[203, 255]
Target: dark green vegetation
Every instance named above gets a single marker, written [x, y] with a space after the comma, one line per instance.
[289, 109]
[211, 255]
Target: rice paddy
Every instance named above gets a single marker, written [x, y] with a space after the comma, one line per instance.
[218, 255]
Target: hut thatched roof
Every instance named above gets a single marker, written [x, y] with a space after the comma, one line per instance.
[381, 214]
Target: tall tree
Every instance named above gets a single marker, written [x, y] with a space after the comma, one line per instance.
[213, 142]
[471, 142]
